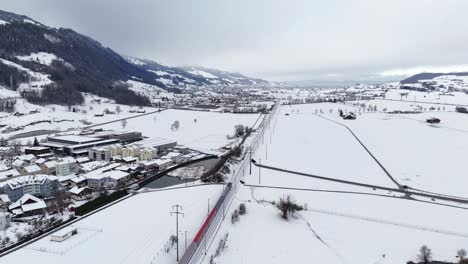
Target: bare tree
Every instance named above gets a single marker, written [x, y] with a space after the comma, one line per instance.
[175, 125]
[461, 254]
[118, 110]
[288, 206]
[239, 130]
[425, 254]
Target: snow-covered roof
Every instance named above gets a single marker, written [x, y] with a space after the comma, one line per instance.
[4, 198]
[50, 164]
[113, 174]
[78, 179]
[158, 162]
[27, 203]
[32, 168]
[9, 173]
[4, 167]
[26, 180]
[66, 160]
[82, 159]
[28, 157]
[77, 190]
[17, 163]
[40, 161]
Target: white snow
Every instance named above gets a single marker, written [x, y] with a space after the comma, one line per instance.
[41, 57]
[208, 133]
[3, 22]
[354, 228]
[131, 231]
[202, 73]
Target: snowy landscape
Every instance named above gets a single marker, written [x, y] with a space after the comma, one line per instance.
[135, 153]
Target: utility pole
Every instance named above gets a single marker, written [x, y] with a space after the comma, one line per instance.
[250, 158]
[208, 206]
[185, 240]
[259, 175]
[177, 213]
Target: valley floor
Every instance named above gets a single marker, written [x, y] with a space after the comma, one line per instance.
[340, 227]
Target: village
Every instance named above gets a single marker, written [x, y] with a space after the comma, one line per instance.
[44, 183]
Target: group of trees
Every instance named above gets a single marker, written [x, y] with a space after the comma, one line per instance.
[7, 105]
[425, 256]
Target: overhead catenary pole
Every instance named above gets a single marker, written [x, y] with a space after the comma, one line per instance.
[176, 207]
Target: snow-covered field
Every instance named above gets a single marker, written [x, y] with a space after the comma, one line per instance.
[340, 227]
[199, 130]
[132, 231]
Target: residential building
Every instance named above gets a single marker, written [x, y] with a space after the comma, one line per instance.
[66, 166]
[99, 154]
[49, 167]
[106, 179]
[30, 170]
[27, 205]
[39, 185]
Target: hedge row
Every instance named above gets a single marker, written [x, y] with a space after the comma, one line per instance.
[99, 202]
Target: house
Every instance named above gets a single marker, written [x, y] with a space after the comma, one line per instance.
[174, 156]
[349, 116]
[9, 174]
[81, 193]
[40, 161]
[29, 158]
[27, 205]
[48, 167]
[105, 179]
[66, 166]
[30, 170]
[18, 164]
[433, 120]
[82, 160]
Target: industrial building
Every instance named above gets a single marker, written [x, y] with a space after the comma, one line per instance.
[75, 145]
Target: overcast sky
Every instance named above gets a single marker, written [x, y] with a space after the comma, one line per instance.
[274, 39]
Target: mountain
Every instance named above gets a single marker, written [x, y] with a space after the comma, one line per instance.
[49, 65]
[429, 76]
[186, 77]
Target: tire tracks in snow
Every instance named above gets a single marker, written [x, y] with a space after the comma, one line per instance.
[336, 253]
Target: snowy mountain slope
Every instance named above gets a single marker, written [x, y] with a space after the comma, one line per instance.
[427, 76]
[187, 77]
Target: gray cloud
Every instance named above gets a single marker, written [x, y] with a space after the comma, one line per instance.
[274, 39]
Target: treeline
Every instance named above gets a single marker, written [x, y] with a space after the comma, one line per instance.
[99, 202]
[52, 94]
[11, 77]
[7, 105]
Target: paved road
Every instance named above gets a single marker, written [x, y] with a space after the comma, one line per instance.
[126, 118]
[367, 150]
[421, 102]
[403, 191]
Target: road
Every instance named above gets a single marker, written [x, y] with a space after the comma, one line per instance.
[367, 150]
[420, 102]
[403, 191]
[48, 132]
